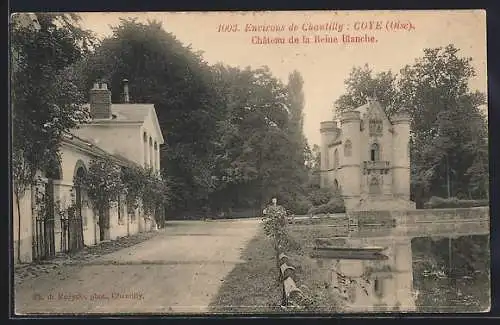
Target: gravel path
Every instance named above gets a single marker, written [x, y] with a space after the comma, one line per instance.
[23, 272]
[179, 269]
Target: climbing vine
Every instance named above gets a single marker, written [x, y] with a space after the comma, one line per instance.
[104, 185]
[106, 181]
[133, 180]
[155, 192]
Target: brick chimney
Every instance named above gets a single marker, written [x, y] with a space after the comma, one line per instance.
[100, 101]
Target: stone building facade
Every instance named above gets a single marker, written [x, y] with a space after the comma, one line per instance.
[366, 157]
[126, 133]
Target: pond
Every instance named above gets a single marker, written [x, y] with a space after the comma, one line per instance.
[421, 274]
[452, 275]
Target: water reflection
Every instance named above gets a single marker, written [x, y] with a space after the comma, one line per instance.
[448, 275]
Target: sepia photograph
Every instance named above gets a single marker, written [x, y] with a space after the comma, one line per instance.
[249, 162]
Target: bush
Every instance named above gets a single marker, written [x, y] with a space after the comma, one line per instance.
[436, 202]
[335, 205]
[320, 196]
[299, 206]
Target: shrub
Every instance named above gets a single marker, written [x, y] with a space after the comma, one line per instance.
[320, 196]
[299, 206]
[436, 202]
[335, 205]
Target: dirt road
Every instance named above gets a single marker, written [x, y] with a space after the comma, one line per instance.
[178, 271]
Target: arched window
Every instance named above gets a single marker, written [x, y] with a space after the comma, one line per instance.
[348, 148]
[145, 139]
[378, 288]
[156, 160]
[151, 154]
[327, 160]
[336, 158]
[351, 294]
[374, 152]
[331, 159]
[336, 186]
[375, 126]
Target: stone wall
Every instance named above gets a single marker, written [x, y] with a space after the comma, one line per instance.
[409, 223]
[426, 222]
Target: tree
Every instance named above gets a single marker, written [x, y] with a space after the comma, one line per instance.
[362, 83]
[45, 100]
[104, 185]
[162, 71]
[449, 133]
[262, 147]
[300, 149]
[448, 128]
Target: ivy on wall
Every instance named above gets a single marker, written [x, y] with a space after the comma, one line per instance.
[106, 181]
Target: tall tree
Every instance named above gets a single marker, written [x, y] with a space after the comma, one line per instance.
[363, 83]
[449, 133]
[162, 71]
[296, 100]
[448, 128]
[263, 139]
[44, 97]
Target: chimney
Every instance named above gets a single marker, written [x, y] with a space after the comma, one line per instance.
[100, 101]
[126, 97]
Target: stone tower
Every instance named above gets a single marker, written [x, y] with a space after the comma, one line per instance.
[349, 171]
[367, 158]
[401, 156]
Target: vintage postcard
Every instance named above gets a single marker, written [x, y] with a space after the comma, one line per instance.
[324, 162]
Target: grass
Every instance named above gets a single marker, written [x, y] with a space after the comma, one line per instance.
[311, 276]
[253, 286]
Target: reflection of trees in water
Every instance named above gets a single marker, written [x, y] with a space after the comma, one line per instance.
[452, 275]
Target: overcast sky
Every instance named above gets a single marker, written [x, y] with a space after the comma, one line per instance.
[324, 67]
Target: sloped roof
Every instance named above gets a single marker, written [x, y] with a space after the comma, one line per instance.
[372, 104]
[91, 146]
[125, 113]
[363, 109]
[129, 112]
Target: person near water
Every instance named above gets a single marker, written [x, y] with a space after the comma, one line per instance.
[275, 210]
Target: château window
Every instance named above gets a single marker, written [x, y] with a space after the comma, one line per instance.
[336, 185]
[351, 294]
[378, 288]
[374, 152]
[348, 148]
[336, 159]
[375, 127]
[374, 186]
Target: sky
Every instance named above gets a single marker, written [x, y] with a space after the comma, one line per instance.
[400, 38]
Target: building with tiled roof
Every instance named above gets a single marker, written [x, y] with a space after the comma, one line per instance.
[126, 133]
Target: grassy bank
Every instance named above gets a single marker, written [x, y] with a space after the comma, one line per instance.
[252, 286]
[312, 276]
